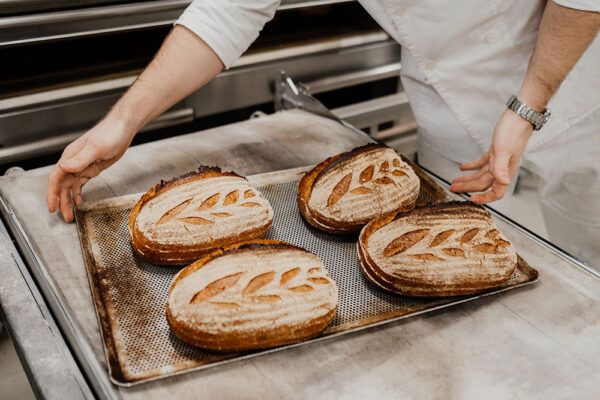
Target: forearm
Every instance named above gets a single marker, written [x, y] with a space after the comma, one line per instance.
[564, 35]
[183, 64]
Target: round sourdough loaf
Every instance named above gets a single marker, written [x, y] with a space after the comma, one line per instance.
[447, 249]
[179, 220]
[346, 191]
[251, 295]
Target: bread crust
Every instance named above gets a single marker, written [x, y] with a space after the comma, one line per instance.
[311, 178]
[232, 340]
[406, 280]
[176, 253]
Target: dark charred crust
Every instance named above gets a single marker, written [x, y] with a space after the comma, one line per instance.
[340, 159]
[164, 185]
[201, 170]
[449, 207]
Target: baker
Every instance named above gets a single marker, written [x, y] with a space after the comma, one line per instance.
[479, 75]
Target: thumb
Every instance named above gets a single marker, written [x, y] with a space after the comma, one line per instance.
[81, 160]
[500, 168]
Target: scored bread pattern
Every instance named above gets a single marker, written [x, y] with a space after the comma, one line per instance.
[265, 287]
[251, 295]
[209, 209]
[447, 249]
[465, 241]
[367, 180]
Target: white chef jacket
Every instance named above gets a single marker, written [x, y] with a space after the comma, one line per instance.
[474, 53]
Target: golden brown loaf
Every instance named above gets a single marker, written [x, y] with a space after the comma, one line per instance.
[346, 191]
[447, 249]
[179, 220]
[251, 295]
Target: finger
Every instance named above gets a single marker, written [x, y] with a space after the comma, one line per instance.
[475, 185]
[55, 179]
[500, 168]
[473, 175]
[92, 170]
[66, 208]
[88, 154]
[76, 190]
[497, 192]
[475, 164]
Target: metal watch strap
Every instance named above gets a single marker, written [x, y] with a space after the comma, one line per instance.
[538, 119]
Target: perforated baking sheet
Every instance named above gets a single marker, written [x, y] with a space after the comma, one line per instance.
[130, 294]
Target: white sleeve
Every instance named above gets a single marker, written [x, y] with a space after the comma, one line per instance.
[585, 5]
[228, 26]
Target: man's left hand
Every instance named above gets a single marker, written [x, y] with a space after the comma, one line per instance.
[500, 164]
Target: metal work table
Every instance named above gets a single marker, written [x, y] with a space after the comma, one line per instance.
[537, 342]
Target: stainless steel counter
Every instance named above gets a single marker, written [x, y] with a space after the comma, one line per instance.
[539, 342]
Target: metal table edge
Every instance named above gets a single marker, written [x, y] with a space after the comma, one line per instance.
[48, 320]
[96, 374]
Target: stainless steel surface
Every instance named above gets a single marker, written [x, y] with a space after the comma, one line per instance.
[291, 4]
[146, 348]
[258, 81]
[538, 342]
[53, 299]
[57, 25]
[50, 368]
[43, 122]
[369, 114]
[72, 23]
[341, 79]
[353, 78]
[289, 96]
[57, 143]
[11, 7]
[67, 305]
[394, 107]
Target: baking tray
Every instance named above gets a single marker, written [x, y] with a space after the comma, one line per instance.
[130, 294]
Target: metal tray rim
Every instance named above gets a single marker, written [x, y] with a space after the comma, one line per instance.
[268, 178]
[323, 338]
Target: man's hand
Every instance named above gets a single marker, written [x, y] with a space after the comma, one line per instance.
[563, 36]
[82, 160]
[183, 64]
[500, 164]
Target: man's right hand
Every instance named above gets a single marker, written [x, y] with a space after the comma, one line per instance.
[182, 65]
[82, 160]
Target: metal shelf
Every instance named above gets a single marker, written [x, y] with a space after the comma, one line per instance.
[81, 22]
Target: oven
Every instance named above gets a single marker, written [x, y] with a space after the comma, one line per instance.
[66, 62]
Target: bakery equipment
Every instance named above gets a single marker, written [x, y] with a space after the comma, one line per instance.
[67, 62]
[532, 342]
[130, 294]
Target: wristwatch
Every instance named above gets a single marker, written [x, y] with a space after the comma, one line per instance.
[538, 119]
